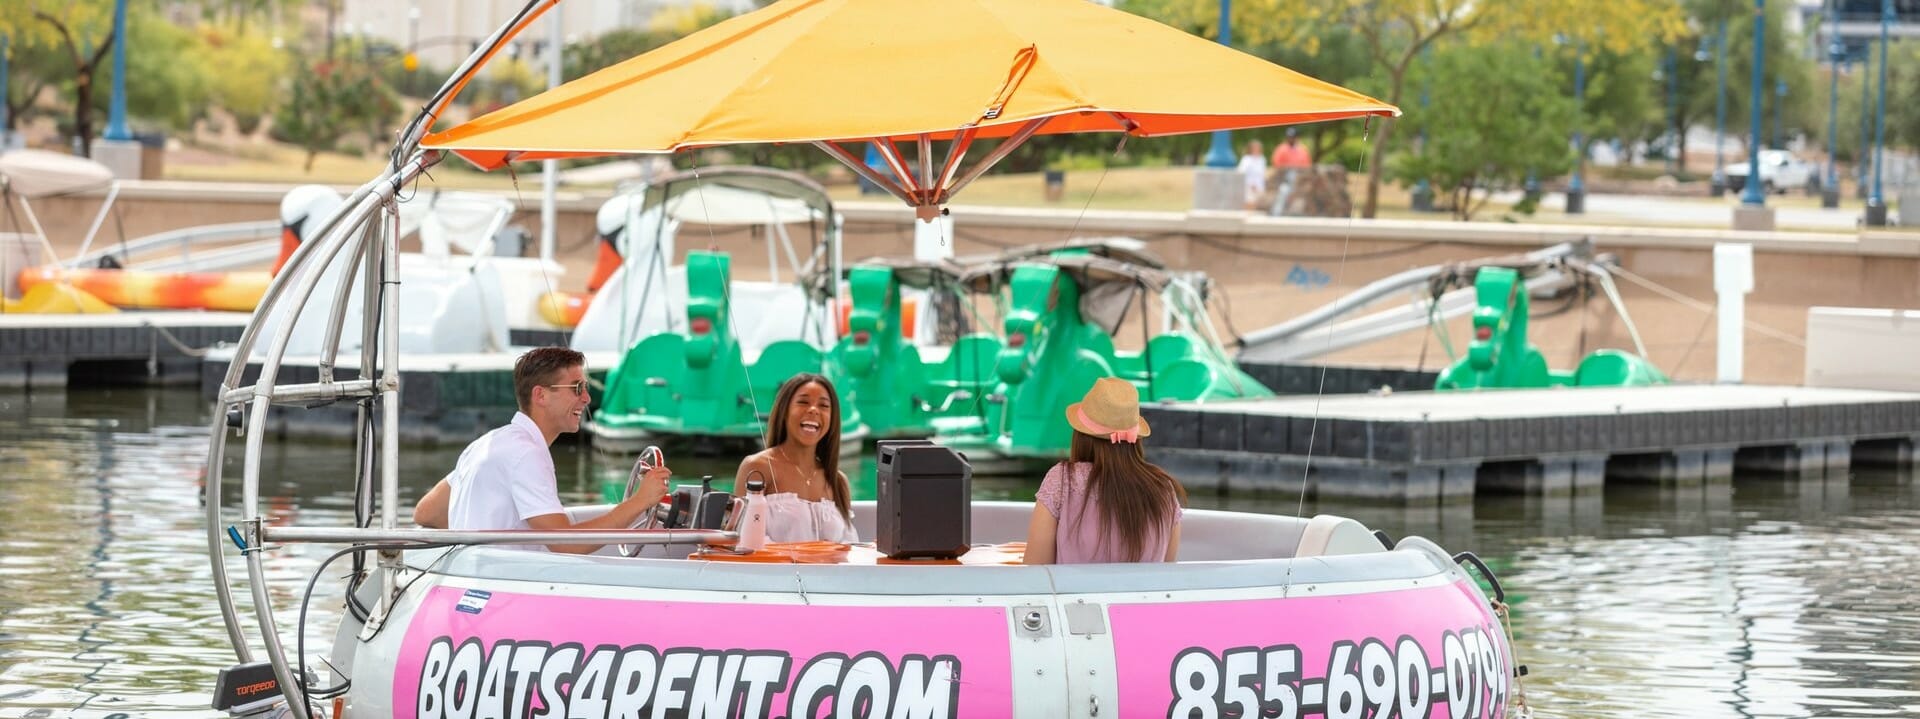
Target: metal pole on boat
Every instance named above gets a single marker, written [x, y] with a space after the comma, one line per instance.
[308, 276]
[550, 169]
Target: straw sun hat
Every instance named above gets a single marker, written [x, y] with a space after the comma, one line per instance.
[1110, 410]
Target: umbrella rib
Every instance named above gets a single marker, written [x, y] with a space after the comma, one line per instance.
[861, 169]
[956, 151]
[924, 154]
[891, 154]
[999, 152]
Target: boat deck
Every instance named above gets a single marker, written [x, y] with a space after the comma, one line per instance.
[1422, 446]
[39, 350]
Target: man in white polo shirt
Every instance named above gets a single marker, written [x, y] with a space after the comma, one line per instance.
[505, 479]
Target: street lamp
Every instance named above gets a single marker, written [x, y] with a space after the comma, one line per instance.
[1876, 202]
[1752, 195]
[1220, 153]
[1421, 196]
[117, 109]
[1779, 99]
[1720, 110]
[1673, 109]
[1830, 185]
[1577, 184]
[4, 120]
[1866, 124]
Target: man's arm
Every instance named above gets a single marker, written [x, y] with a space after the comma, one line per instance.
[621, 516]
[431, 511]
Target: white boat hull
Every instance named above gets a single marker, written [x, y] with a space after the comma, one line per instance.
[493, 632]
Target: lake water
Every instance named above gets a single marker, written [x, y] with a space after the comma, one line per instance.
[1763, 598]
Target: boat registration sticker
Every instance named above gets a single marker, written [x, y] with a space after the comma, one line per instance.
[532, 655]
[473, 601]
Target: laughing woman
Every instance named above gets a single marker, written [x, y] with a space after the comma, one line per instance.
[807, 496]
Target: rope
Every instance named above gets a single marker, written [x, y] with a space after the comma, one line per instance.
[1236, 248]
[1519, 709]
[1697, 305]
[175, 341]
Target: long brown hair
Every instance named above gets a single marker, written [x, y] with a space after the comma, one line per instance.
[1135, 496]
[827, 452]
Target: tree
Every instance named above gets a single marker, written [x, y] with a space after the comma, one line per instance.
[684, 20]
[329, 102]
[69, 26]
[245, 72]
[1395, 32]
[1516, 121]
[169, 78]
[1784, 58]
[1903, 91]
[33, 69]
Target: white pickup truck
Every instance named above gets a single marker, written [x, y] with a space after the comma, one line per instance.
[1780, 171]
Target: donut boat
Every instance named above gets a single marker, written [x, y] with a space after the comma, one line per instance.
[1263, 615]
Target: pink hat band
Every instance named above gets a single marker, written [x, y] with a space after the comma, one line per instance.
[1129, 435]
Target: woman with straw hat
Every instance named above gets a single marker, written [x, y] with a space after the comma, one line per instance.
[1106, 503]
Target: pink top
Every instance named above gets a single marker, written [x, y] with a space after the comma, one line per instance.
[1078, 539]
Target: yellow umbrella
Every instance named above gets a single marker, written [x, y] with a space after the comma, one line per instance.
[830, 72]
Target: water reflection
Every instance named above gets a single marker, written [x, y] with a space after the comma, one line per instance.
[1765, 597]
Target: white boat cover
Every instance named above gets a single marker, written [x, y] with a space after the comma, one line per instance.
[39, 173]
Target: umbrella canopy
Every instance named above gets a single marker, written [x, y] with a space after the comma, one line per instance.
[887, 71]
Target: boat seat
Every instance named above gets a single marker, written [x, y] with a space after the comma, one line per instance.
[1328, 535]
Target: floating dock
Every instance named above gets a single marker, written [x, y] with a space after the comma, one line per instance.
[124, 347]
[1434, 446]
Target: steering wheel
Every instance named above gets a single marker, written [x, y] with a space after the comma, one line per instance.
[649, 458]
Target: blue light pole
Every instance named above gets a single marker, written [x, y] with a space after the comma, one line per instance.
[1720, 111]
[1531, 187]
[1673, 110]
[1876, 202]
[1779, 99]
[1752, 195]
[1830, 185]
[1220, 153]
[117, 110]
[1577, 184]
[5, 120]
[1421, 196]
[1866, 124]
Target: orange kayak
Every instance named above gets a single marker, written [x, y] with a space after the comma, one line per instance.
[230, 291]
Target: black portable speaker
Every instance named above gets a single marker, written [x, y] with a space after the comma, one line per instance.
[924, 503]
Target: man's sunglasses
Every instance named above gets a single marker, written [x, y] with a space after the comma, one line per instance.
[579, 388]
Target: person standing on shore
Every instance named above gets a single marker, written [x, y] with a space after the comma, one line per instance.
[1290, 160]
[1253, 168]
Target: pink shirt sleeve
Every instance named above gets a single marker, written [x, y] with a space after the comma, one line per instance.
[1053, 490]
